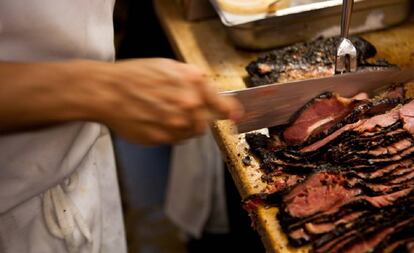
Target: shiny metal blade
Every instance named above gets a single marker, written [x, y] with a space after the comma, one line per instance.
[274, 104]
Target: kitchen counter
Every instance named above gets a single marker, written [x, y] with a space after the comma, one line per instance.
[205, 44]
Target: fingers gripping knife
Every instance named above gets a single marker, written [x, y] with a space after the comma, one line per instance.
[346, 54]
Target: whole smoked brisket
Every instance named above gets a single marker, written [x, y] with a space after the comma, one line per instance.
[306, 60]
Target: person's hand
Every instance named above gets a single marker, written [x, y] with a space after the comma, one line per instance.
[155, 101]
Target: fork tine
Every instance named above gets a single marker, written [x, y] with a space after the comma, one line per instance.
[346, 57]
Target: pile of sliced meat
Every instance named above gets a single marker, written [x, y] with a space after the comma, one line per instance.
[342, 173]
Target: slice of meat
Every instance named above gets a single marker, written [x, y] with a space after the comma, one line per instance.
[406, 177]
[382, 174]
[401, 246]
[381, 121]
[401, 237]
[395, 158]
[330, 219]
[354, 142]
[407, 115]
[381, 149]
[328, 191]
[320, 114]
[366, 109]
[381, 155]
[320, 228]
[331, 137]
[321, 191]
[380, 138]
[391, 149]
[370, 240]
[364, 230]
[291, 223]
[366, 125]
[365, 245]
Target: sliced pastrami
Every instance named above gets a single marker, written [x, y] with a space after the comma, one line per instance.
[387, 170]
[344, 181]
[379, 154]
[344, 215]
[365, 109]
[361, 126]
[365, 229]
[321, 191]
[400, 237]
[327, 192]
[320, 228]
[382, 174]
[395, 158]
[360, 244]
[374, 235]
[407, 115]
[331, 216]
[333, 136]
[381, 149]
[391, 149]
[320, 114]
[382, 121]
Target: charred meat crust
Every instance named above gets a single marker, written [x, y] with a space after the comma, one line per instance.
[318, 54]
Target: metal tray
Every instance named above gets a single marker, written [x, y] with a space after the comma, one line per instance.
[308, 21]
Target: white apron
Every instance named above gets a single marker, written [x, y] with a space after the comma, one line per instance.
[58, 186]
[196, 196]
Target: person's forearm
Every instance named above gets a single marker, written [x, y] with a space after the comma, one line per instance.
[150, 101]
[40, 94]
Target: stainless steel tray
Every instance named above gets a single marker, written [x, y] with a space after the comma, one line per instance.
[309, 21]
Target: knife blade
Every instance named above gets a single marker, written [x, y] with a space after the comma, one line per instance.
[274, 104]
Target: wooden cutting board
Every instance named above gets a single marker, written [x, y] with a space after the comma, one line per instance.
[206, 45]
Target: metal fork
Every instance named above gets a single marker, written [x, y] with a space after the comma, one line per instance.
[346, 54]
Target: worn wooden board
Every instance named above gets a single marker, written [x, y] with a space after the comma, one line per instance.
[206, 45]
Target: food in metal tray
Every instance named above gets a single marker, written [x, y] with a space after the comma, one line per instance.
[252, 6]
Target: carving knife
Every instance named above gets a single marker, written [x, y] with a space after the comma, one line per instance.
[274, 104]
